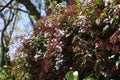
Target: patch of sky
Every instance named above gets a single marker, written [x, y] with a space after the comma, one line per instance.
[23, 26]
[40, 4]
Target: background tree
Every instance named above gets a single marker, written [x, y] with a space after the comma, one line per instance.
[10, 15]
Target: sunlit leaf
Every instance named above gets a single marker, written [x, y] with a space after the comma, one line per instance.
[89, 79]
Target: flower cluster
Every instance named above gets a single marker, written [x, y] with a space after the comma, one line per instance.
[81, 37]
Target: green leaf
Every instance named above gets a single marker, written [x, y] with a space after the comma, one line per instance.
[117, 64]
[69, 75]
[72, 75]
[89, 79]
[78, 1]
[53, 53]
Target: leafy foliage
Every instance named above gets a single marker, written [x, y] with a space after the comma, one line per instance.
[5, 75]
[72, 75]
[81, 37]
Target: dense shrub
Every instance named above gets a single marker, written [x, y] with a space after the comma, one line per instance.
[5, 74]
[83, 37]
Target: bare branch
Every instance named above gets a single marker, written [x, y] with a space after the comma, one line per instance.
[11, 32]
[18, 9]
[2, 38]
[30, 7]
[6, 5]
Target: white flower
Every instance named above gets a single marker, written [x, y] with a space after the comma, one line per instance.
[106, 27]
[59, 48]
[36, 56]
[106, 20]
[81, 17]
[75, 73]
[89, 1]
[50, 25]
[82, 1]
[97, 21]
[107, 2]
[62, 32]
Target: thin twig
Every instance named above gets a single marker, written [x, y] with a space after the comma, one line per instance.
[13, 27]
[6, 5]
[18, 9]
[2, 37]
[30, 7]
